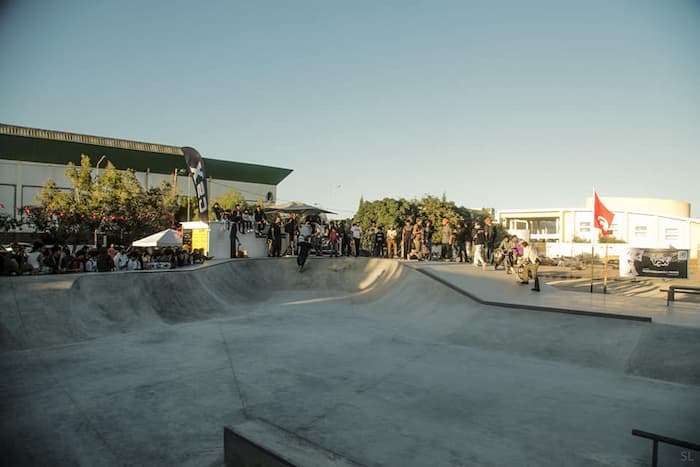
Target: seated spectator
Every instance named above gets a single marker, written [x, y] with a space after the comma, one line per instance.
[35, 258]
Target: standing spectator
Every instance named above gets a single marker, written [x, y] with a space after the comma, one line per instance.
[347, 238]
[66, 261]
[333, 238]
[446, 240]
[276, 237]
[479, 238]
[120, 260]
[491, 234]
[469, 243]
[52, 261]
[406, 240]
[429, 231]
[356, 236]
[460, 240]
[233, 239]
[134, 263]
[91, 262]
[112, 250]
[78, 263]
[290, 228]
[379, 242]
[105, 263]
[391, 236]
[418, 236]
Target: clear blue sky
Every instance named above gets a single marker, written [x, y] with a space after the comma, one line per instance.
[504, 104]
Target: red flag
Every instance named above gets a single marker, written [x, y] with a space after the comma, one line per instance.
[602, 216]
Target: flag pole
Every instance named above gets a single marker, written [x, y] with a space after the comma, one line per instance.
[593, 236]
[605, 271]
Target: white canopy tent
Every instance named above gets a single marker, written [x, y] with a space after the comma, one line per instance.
[168, 237]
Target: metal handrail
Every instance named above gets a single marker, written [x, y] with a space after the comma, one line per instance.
[663, 439]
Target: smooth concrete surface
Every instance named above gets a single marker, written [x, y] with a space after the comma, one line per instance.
[370, 361]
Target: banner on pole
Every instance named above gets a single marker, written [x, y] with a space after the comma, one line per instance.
[656, 262]
[195, 163]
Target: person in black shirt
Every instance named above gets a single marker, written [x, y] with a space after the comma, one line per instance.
[460, 234]
[276, 236]
[218, 212]
[379, 242]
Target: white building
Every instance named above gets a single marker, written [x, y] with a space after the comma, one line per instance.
[638, 222]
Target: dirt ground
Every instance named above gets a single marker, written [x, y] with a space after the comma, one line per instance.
[579, 280]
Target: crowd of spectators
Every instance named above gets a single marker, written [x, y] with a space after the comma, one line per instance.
[19, 259]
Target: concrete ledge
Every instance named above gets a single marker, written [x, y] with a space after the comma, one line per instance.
[523, 306]
[256, 444]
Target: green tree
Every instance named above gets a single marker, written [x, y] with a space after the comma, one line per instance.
[114, 203]
[229, 200]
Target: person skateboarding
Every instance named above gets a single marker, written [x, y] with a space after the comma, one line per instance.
[306, 231]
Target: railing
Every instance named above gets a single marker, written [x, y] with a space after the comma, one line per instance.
[664, 439]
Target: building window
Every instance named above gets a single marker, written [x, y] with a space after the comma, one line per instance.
[640, 231]
[584, 227]
[672, 234]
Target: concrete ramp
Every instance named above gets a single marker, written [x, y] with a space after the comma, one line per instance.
[360, 361]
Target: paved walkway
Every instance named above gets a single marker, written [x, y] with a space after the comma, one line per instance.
[498, 288]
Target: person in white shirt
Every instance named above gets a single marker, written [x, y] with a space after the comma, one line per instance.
[36, 259]
[133, 264]
[530, 262]
[391, 236]
[120, 260]
[356, 236]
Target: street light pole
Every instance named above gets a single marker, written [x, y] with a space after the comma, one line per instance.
[97, 166]
[183, 172]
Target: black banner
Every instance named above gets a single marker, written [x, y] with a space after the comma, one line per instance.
[196, 166]
[655, 262]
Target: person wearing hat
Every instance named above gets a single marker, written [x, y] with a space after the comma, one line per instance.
[530, 262]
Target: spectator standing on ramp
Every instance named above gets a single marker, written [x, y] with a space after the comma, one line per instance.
[276, 237]
[446, 240]
[419, 238]
[429, 231]
[406, 240]
[356, 236]
[391, 236]
[379, 242]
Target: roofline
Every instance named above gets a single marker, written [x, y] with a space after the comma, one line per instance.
[57, 147]
[16, 130]
[617, 211]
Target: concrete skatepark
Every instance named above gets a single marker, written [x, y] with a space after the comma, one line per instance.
[354, 362]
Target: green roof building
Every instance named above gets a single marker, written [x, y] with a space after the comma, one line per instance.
[29, 156]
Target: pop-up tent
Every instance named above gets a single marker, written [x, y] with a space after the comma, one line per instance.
[165, 238]
[298, 207]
